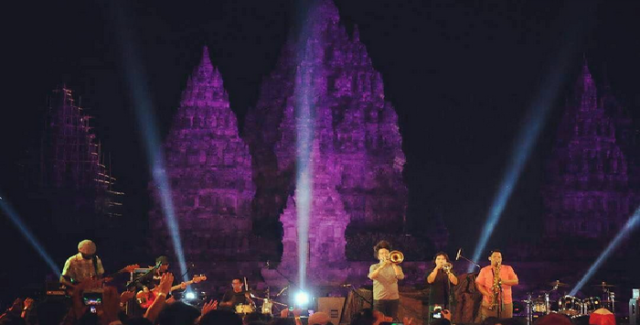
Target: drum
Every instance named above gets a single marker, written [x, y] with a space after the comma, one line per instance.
[542, 304]
[591, 304]
[245, 309]
[570, 305]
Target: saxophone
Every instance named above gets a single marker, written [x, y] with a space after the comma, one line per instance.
[496, 288]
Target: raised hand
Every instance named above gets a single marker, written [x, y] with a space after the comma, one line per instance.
[165, 283]
[126, 296]
[209, 306]
[28, 302]
[110, 305]
[446, 314]
[16, 307]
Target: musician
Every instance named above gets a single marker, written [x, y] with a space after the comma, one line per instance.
[235, 296]
[163, 261]
[495, 282]
[440, 281]
[154, 281]
[86, 264]
[385, 276]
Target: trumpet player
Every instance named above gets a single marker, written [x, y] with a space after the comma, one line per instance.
[440, 280]
[385, 276]
[495, 282]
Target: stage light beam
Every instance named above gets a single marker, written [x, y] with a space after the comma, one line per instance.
[138, 86]
[28, 235]
[628, 228]
[576, 25]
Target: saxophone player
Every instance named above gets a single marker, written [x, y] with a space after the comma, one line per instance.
[495, 282]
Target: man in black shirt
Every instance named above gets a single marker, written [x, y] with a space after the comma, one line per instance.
[235, 296]
[440, 280]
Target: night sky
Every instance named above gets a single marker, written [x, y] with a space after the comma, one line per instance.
[461, 75]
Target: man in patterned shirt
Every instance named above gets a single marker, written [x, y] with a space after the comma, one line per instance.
[83, 265]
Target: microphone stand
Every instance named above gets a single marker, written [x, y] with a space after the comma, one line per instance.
[470, 261]
[448, 292]
[500, 299]
[459, 255]
[344, 306]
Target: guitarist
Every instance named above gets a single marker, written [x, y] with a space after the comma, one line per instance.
[163, 261]
[83, 265]
[154, 282]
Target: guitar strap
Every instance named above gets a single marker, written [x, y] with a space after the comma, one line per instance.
[94, 259]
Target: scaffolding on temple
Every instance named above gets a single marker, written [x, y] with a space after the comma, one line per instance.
[71, 160]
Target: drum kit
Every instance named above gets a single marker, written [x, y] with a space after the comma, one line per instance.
[569, 305]
[267, 307]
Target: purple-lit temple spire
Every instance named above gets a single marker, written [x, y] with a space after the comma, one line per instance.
[587, 193]
[209, 169]
[357, 126]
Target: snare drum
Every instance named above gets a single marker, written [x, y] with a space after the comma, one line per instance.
[570, 306]
[539, 306]
[245, 309]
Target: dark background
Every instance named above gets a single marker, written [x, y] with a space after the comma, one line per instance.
[461, 74]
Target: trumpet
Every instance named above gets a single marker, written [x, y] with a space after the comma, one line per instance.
[396, 257]
[447, 267]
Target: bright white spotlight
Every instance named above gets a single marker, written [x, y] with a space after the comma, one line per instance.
[190, 295]
[301, 299]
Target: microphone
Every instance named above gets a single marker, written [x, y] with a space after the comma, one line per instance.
[458, 255]
[346, 285]
[246, 287]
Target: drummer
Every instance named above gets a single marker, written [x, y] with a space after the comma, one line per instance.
[235, 296]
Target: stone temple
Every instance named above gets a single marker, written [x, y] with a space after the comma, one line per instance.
[357, 128]
[235, 198]
[209, 170]
[592, 186]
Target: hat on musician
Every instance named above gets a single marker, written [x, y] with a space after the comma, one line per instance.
[162, 260]
[87, 247]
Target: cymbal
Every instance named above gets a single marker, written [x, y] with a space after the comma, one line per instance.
[604, 285]
[558, 283]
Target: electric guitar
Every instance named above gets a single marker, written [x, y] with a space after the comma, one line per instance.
[70, 283]
[146, 297]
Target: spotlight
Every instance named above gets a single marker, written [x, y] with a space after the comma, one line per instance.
[190, 295]
[301, 299]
